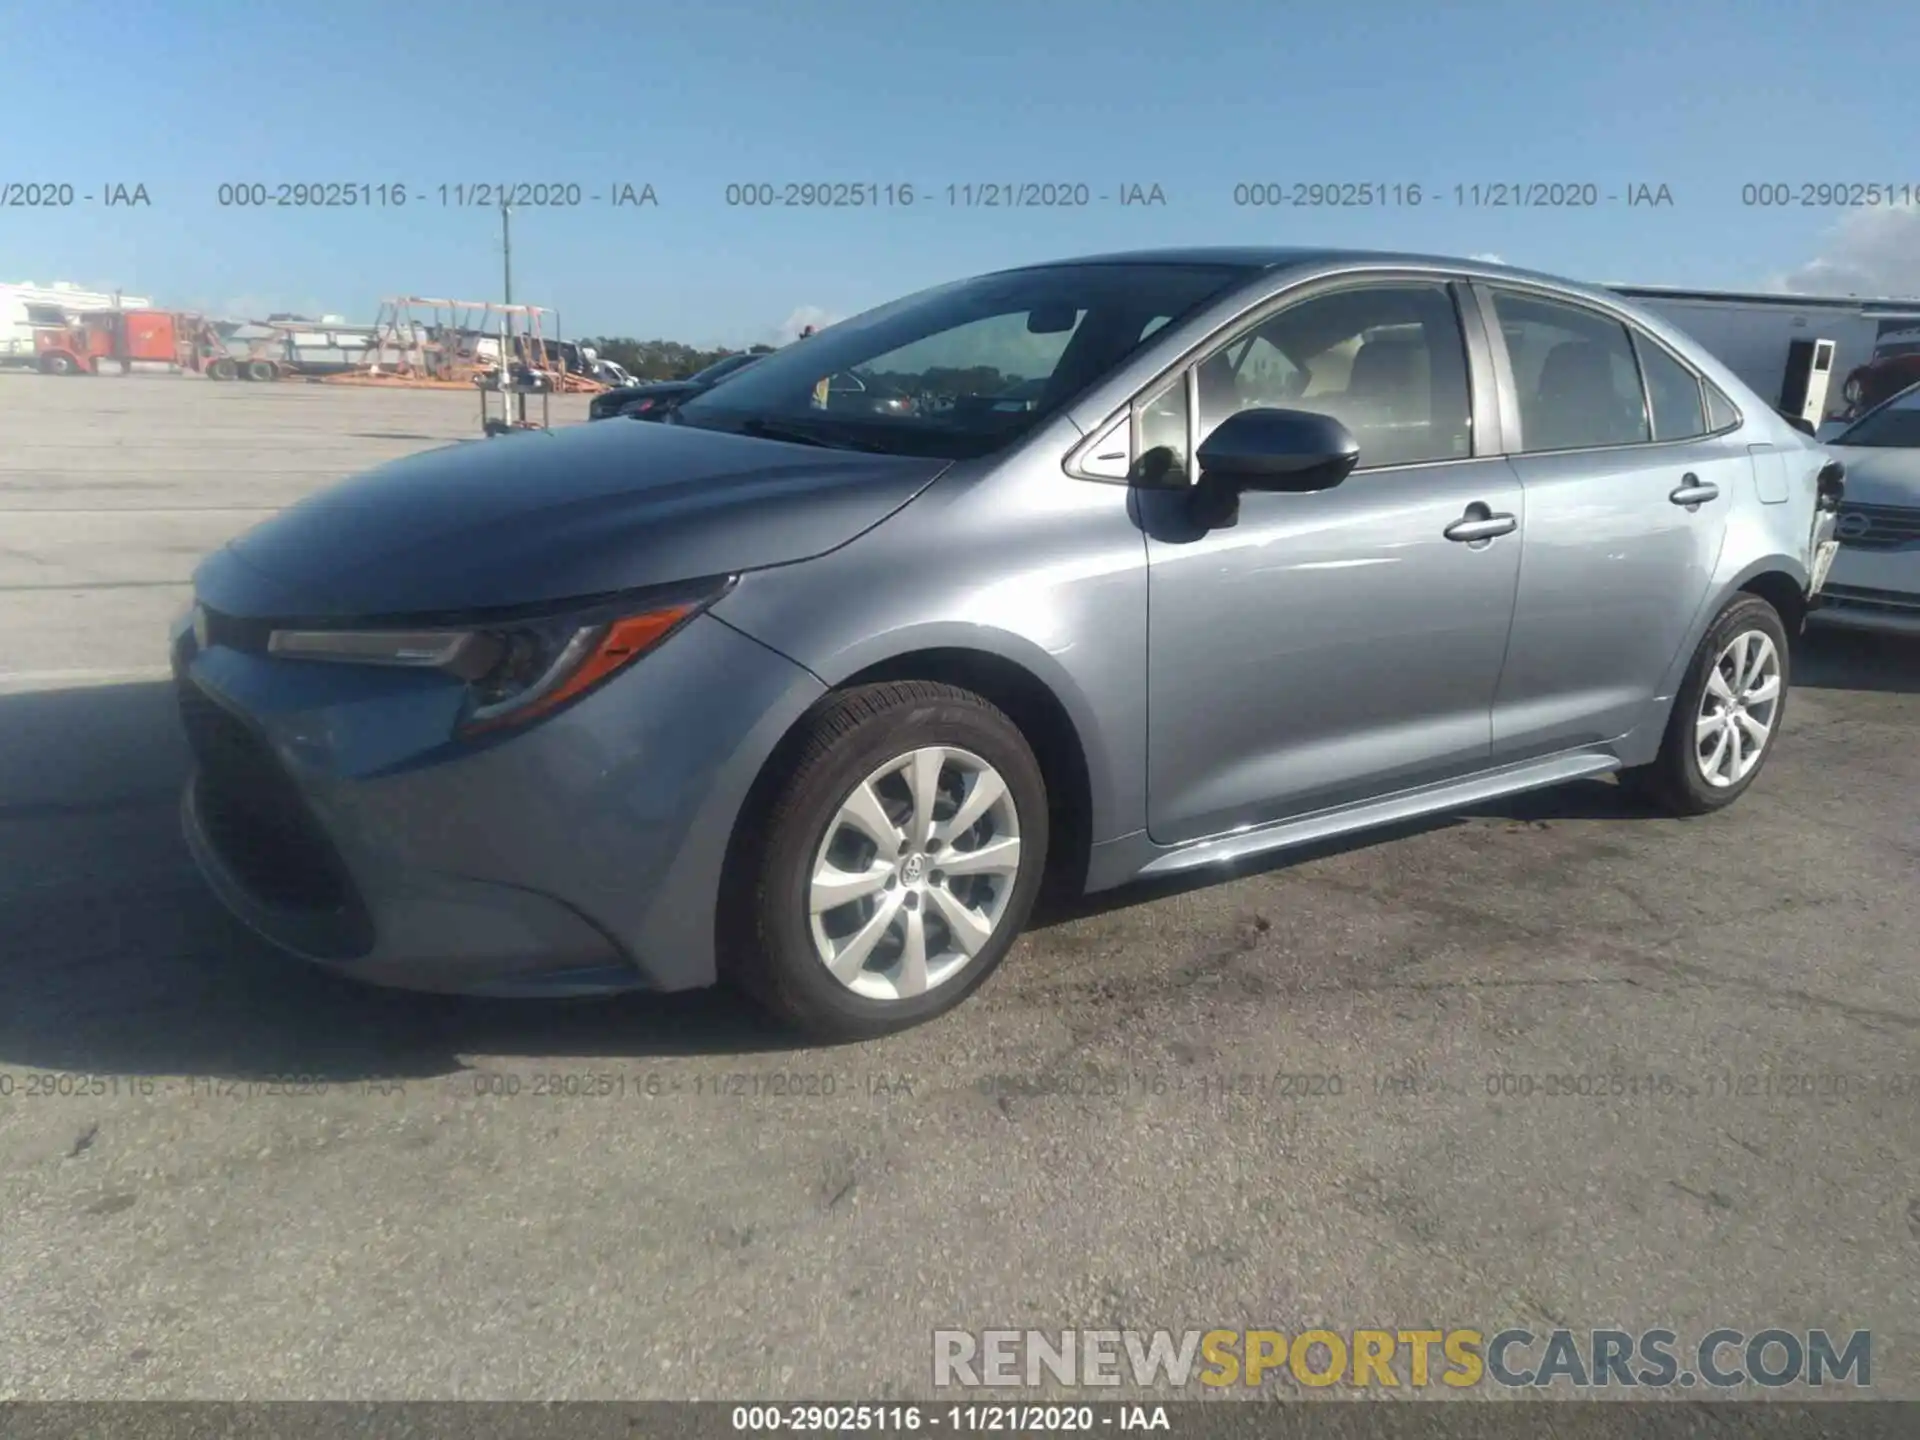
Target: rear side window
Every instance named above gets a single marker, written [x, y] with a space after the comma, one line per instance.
[1720, 412]
[1679, 410]
[1578, 380]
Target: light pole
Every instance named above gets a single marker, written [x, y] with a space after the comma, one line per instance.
[511, 401]
[506, 249]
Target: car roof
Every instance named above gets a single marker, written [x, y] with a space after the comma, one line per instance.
[1263, 258]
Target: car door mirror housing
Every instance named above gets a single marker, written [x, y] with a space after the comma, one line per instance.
[1266, 449]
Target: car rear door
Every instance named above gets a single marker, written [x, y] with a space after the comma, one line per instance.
[1627, 498]
[1330, 647]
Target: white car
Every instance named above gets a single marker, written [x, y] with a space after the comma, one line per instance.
[1875, 580]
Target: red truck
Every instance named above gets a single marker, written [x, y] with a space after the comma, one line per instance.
[167, 337]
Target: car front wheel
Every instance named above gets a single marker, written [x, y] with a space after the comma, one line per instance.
[893, 865]
[1727, 715]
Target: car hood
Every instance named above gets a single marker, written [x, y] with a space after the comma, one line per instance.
[657, 387]
[1880, 475]
[548, 515]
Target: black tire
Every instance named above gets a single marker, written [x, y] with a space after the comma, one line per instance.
[223, 369]
[766, 943]
[262, 371]
[57, 364]
[1674, 780]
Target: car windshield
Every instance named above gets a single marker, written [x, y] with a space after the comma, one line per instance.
[721, 367]
[918, 376]
[1896, 424]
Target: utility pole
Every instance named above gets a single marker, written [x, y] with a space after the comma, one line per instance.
[506, 250]
[512, 403]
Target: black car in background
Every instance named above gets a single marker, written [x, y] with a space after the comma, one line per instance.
[847, 392]
[652, 401]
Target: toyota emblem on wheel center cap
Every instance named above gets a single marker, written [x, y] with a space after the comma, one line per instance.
[912, 871]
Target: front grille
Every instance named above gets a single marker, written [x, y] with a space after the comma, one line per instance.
[1888, 602]
[254, 817]
[1878, 527]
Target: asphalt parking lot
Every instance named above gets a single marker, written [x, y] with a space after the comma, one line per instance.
[223, 1176]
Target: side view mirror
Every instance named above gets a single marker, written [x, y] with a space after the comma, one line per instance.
[1288, 450]
[1799, 422]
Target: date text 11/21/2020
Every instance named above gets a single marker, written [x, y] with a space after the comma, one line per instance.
[1489, 195]
[969, 195]
[1014, 1418]
[482, 195]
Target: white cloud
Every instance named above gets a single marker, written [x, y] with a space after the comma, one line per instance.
[1870, 253]
[803, 315]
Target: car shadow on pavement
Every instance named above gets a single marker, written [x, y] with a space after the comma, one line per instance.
[116, 960]
[1857, 660]
[1823, 660]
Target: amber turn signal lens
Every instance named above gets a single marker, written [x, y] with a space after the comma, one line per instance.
[619, 643]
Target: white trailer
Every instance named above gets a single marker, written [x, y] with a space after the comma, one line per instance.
[1753, 334]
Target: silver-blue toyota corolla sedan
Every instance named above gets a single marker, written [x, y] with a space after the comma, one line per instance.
[1148, 563]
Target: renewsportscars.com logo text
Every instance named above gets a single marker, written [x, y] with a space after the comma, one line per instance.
[1455, 1357]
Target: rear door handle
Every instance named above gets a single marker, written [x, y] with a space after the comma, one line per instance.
[1692, 492]
[1480, 523]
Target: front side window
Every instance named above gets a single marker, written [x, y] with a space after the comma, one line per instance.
[1388, 361]
[1574, 369]
[964, 369]
[1679, 412]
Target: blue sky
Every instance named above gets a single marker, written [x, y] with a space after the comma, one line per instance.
[182, 96]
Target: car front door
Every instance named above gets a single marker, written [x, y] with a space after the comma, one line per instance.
[1328, 647]
[1627, 498]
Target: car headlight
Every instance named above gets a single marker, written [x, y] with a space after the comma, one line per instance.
[514, 670]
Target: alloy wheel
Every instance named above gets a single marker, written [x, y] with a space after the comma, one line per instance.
[1737, 709]
[914, 873]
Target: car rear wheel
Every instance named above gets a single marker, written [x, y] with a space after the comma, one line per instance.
[893, 866]
[1726, 716]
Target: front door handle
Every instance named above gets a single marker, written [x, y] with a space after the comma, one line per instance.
[1480, 524]
[1692, 492]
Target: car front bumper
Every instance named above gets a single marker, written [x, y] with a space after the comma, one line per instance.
[333, 812]
[1876, 590]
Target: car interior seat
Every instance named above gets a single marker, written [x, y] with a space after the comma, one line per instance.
[1388, 403]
